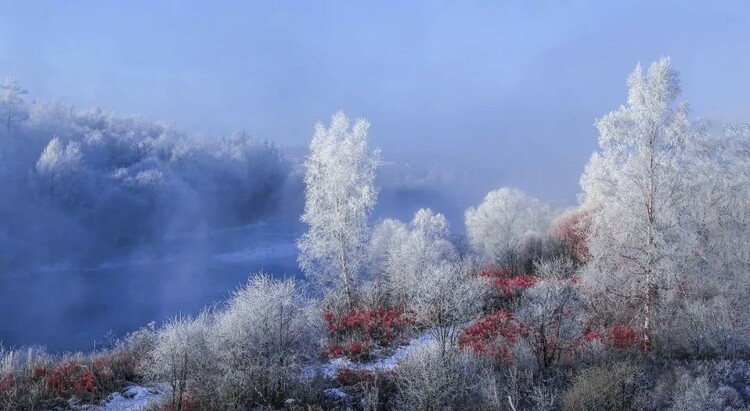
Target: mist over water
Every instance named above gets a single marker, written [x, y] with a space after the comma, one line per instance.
[73, 309]
[108, 223]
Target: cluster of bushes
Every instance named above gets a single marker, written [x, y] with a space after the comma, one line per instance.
[32, 379]
[250, 352]
[532, 334]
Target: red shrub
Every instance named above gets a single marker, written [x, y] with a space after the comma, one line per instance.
[335, 351]
[40, 372]
[190, 402]
[491, 336]
[69, 378]
[6, 381]
[85, 383]
[355, 350]
[114, 367]
[591, 336]
[573, 231]
[363, 328]
[347, 377]
[616, 336]
[623, 336]
[496, 272]
[512, 286]
[102, 369]
[332, 323]
[507, 281]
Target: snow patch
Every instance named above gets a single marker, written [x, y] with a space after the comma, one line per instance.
[336, 393]
[135, 398]
[332, 367]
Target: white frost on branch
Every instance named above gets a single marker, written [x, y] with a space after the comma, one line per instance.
[498, 228]
[339, 196]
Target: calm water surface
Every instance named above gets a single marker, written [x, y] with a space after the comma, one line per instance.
[74, 309]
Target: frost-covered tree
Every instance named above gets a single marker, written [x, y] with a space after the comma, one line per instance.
[105, 183]
[401, 256]
[720, 211]
[636, 183]
[715, 328]
[339, 196]
[444, 300]
[12, 106]
[498, 228]
[699, 393]
[552, 313]
[58, 169]
[572, 230]
[264, 336]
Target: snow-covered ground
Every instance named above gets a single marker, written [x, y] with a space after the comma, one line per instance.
[331, 368]
[135, 398]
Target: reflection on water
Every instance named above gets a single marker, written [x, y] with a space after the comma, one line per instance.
[71, 309]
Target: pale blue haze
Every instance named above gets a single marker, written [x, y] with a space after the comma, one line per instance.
[504, 91]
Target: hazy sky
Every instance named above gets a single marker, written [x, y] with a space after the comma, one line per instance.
[505, 91]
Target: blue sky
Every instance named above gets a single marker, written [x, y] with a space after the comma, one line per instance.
[506, 92]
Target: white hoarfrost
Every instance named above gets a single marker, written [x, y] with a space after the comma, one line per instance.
[12, 108]
[339, 196]
[264, 335]
[402, 256]
[638, 185]
[498, 227]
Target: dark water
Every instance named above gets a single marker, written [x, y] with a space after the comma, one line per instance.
[74, 309]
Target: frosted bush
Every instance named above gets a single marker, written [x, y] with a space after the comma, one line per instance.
[263, 338]
[429, 379]
[182, 357]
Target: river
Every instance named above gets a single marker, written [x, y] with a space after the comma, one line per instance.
[70, 309]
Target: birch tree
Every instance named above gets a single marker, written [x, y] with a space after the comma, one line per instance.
[339, 196]
[636, 184]
[11, 102]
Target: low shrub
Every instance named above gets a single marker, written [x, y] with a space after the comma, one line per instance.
[430, 379]
[32, 379]
[506, 282]
[605, 387]
[355, 333]
[492, 336]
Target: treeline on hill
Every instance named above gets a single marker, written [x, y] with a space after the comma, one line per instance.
[635, 299]
[82, 184]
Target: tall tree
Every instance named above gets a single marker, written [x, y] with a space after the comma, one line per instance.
[11, 102]
[721, 212]
[339, 196]
[637, 185]
[498, 228]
